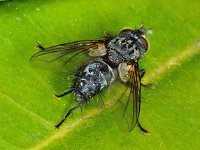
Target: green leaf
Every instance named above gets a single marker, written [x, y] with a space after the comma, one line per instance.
[29, 109]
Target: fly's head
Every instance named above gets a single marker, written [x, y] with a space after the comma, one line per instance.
[129, 46]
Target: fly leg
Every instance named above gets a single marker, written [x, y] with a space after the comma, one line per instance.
[61, 95]
[69, 112]
[142, 73]
[77, 76]
[142, 129]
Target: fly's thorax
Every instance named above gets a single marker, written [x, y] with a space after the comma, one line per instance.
[128, 46]
[96, 75]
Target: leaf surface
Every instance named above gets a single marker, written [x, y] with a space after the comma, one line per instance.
[29, 109]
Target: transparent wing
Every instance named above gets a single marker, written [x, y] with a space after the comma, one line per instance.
[132, 107]
[128, 103]
[61, 51]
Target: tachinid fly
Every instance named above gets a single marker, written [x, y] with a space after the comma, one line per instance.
[111, 59]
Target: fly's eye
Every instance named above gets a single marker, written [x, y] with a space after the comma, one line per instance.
[126, 30]
[144, 42]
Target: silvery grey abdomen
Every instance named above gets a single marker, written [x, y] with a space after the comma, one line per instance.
[95, 76]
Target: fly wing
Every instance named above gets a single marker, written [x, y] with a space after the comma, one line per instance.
[59, 52]
[128, 104]
[135, 96]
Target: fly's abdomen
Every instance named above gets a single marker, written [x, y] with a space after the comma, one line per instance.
[96, 76]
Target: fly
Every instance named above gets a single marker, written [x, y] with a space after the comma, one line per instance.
[110, 59]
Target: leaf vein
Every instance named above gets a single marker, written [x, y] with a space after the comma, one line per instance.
[11, 100]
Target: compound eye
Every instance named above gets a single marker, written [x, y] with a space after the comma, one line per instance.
[126, 30]
[144, 42]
